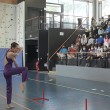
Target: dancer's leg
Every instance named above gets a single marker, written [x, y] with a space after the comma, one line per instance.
[9, 88]
[9, 91]
[19, 70]
[22, 70]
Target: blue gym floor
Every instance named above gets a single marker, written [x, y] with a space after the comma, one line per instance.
[63, 93]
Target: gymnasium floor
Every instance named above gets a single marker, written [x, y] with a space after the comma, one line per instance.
[63, 93]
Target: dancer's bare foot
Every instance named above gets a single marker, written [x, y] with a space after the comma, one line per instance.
[9, 106]
[22, 87]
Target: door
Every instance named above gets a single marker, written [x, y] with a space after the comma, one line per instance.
[31, 53]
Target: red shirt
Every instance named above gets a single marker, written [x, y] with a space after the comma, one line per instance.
[72, 50]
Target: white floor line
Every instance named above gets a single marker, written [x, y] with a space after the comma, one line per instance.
[16, 103]
[70, 88]
[102, 90]
[93, 89]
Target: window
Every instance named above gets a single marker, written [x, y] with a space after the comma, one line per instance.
[72, 10]
[68, 6]
[53, 7]
[105, 7]
[80, 8]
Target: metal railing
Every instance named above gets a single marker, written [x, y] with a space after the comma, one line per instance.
[87, 59]
[40, 23]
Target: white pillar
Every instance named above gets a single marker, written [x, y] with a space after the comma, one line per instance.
[100, 9]
[95, 9]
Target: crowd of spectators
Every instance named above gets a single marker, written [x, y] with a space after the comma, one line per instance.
[95, 45]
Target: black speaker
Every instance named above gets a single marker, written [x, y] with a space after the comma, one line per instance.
[79, 22]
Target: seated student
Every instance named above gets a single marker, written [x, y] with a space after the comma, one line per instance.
[86, 32]
[84, 55]
[78, 41]
[103, 23]
[99, 52]
[91, 40]
[109, 42]
[71, 51]
[83, 39]
[100, 40]
[107, 31]
[105, 49]
[93, 23]
[105, 56]
[91, 53]
[99, 22]
[83, 52]
[91, 50]
[62, 53]
[100, 31]
[107, 21]
[94, 56]
[106, 41]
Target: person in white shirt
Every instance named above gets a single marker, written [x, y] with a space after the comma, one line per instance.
[83, 39]
[100, 51]
[91, 41]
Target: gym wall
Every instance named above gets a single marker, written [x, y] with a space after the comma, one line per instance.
[11, 28]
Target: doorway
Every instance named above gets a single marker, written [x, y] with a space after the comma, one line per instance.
[32, 54]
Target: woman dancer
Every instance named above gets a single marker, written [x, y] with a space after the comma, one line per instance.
[9, 71]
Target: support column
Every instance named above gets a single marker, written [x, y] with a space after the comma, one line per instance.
[95, 9]
[100, 9]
